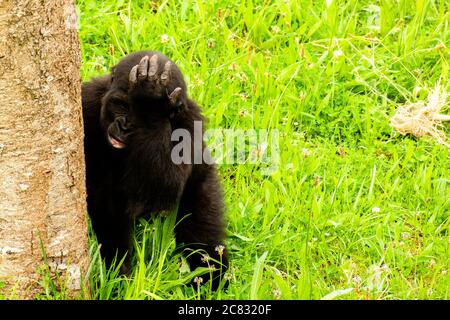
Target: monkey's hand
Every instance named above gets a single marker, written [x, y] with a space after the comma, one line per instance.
[156, 77]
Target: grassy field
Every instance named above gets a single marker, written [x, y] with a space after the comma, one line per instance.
[353, 210]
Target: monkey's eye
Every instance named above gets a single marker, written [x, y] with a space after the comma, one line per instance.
[121, 107]
[118, 104]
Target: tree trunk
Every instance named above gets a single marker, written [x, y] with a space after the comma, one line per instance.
[42, 176]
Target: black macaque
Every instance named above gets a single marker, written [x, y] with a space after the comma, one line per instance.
[129, 116]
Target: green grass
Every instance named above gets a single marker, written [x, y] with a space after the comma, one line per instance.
[327, 75]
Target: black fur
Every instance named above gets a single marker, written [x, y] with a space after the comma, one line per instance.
[140, 177]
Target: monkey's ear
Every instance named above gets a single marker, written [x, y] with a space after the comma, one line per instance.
[113, 70]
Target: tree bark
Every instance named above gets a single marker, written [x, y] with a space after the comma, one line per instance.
[42, 173]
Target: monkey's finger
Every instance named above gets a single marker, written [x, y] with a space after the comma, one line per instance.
[176, 96]
[133, 76]
[153, 67]
[143, 68]
[165, 76]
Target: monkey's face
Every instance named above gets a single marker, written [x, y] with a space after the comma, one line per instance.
[125, 117]
[115, 118]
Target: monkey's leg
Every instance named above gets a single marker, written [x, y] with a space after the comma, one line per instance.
[114, 237]
[201, 228]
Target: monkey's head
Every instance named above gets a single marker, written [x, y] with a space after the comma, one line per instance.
[146, 87]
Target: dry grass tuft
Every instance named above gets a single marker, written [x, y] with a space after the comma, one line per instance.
[423, 119]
